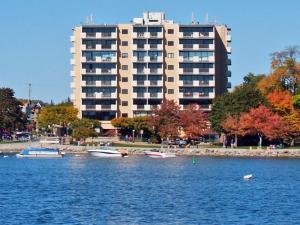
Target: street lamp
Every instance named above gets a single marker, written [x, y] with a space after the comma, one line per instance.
[133, 135]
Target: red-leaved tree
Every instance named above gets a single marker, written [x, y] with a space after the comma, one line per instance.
[193, 121]
[263, 122]
[165, 119]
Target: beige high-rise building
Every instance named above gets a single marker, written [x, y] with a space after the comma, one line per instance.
[122, 70]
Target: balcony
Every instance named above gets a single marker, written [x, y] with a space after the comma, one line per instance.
[229, 38]
[141, 58]
[72, 61]
[196, 47]
[156, 59]
[203, 35]
[156, 95]
[97, 35]
[99, 83]
[228, 73]
[140, 83]
[99, 47]
[158, 83]
[72, 38]
[228, 85]
[141, 47]
[210, 59]
[138, 35]
[141, 95]
[72, 73]
[98, 59]
[156, 71]
[72, 85]
[140, 70]
[196, 95]
[141, 107]
[102, 95]
[229, 62]
[156, 34]
[99, 107]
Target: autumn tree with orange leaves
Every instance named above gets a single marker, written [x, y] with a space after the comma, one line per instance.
[261, 121]
[193, 121]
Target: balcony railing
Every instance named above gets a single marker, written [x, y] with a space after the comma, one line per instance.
[153, 95]
[187, 82]
[153, 34]
[140, 46]
[140, 59]
[106, 46]
[140, 71]
[105, 106]
[90, 106]
[203, 82]
[140, 34]
[187, 70]
[152, 70]
[90, 82]
[106, 95]
[106, 83]
[187, 45]
[90, 46]
[90, 34]
[153, 82]
[187, 34]
[153, 46]
[106, 71]
[140, 82]
[203, 70]
[203, 45]
[90, 95]
[140, 95]
[203, 34]
[91, 70]
[140, 106]
[187, 94]
[105, 34]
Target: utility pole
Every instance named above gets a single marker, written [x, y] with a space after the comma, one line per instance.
[29, 92]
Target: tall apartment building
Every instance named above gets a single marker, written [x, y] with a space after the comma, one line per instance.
[124, 69]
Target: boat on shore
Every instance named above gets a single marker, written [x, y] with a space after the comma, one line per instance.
[40, 153]
[107, 152]
[157, 154]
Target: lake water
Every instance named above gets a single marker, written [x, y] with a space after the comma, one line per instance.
[140, 190]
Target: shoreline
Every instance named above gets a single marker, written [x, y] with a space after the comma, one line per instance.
[11, 148]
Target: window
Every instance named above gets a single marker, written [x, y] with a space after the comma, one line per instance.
[125, 31]
[170, 91]
[124, 67]
[170, 79]
[170, 43]
[124, 103]
[124, 55]
[170, 67]
[124, 79]
[124, 43]
[125, 91]
[170, 55]
[170, 31]
[124, 114]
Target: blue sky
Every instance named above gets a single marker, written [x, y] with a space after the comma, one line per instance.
[35, 47]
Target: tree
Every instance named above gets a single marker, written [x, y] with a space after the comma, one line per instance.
[281, 101]
[231, 126]
[285, 74]
[11, 116]
[84, 128]
[165, 120]
[193, 121]
[62, 114]
[263, 122]
[242, 99]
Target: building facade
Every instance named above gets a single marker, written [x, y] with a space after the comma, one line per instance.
[125, 69]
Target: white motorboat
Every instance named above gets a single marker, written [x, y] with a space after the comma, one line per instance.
[40, 153]
[106, 152]
[157, 154]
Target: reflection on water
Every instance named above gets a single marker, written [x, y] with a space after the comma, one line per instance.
[140, 190]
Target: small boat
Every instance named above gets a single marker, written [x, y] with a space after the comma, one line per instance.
[157, 154]
[40, 153]
[248, 177]
[107, 152]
